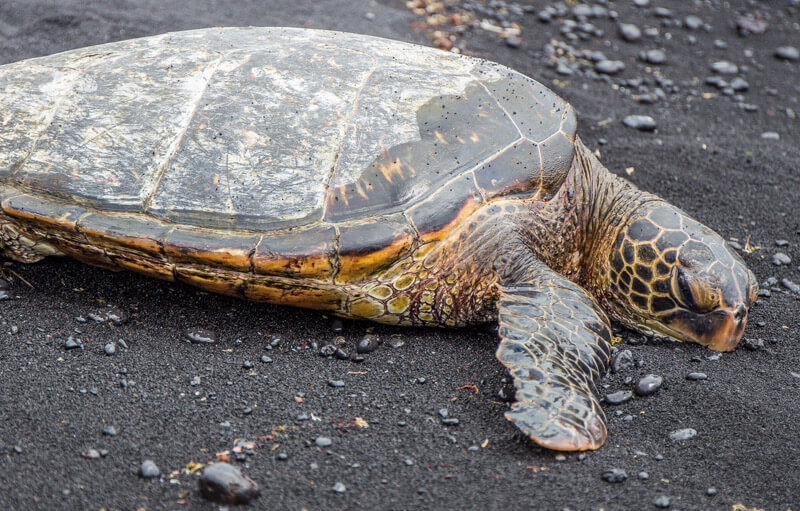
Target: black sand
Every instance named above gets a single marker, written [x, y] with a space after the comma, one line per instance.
[707, 156]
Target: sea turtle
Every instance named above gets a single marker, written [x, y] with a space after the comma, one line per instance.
[366, 177]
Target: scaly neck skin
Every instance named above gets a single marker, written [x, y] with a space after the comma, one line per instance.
[573, 232]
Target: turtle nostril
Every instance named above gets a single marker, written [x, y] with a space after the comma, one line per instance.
[739, 314]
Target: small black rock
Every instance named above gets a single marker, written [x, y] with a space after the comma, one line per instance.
[224, 483]
[648, 385]
[327, 351]
[200, 336]
[617, 398]
[787, 53]
[622, 360]
[662, 501]
[367, 344]
[640, 122]
[323, 441]
[614, 475]
[149, 469]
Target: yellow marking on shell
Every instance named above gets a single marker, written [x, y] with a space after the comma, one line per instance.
[343, 195]
[423, 250]
[381, 292]
[425, 316]
[143, 265]
[355, 267]
[398, 304]
[466, 210]
[449, 300]
[360, 191]
[403, 282]
[425, 307]
[449, 322]
[366, 308]
[394, 167]
[426, 297]
[216, 281]
[433, 285]
[288, 292]
[300, 266]
[450, 278]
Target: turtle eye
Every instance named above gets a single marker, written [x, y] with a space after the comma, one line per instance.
[693, 293]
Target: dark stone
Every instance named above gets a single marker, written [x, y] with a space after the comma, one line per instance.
[200, 336]
[367, 344]
[787, 53]
[630, 32]
[609, 67]
[224, 483]
[683, 434]
[323, 441]
[149, 469]
[640, 122]
[617, 398]
[662, 501]
[648, 385]
[614, 475]
[622, 360]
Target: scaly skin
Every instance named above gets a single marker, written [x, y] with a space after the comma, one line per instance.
[648, 264]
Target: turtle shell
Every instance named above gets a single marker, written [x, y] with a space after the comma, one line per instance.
[278, 151]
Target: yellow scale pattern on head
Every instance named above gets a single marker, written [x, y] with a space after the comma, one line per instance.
[643, 257]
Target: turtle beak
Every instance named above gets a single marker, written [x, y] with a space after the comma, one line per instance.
[720, 330]
[729, 329]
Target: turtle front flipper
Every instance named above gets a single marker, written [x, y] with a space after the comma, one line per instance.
[555, 342]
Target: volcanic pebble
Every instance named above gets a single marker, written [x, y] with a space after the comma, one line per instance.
[683, 434]
[617, 398]
[323, 441]
[640, 122]
[780, 258]
[614, 475]
[724, 67]
[630, 32]
[662, 501]
[609, 67]
[787, 53]
[367, 344]
[149, 469]
[224, 483]
[653, 57]
[648, 385]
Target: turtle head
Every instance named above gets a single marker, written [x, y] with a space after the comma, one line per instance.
[670, 275]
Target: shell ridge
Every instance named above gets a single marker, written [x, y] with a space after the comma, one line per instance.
[487, 160]
[176, 144]
[510, 117]
[347, 124]
[76, 74]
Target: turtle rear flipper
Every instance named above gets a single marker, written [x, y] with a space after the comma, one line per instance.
[555, 342]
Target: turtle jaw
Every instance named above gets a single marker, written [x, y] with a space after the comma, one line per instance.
[720, 330]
